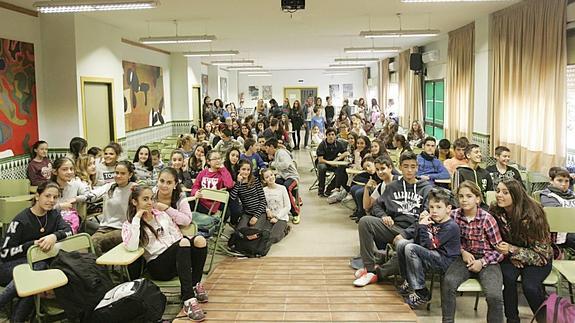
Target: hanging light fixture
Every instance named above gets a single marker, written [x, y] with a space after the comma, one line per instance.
[207, 53]
[348, 66]
[233, 63]
[177, 39]
[66, 6]
[356, 59]
[359, 50]
[400, 32]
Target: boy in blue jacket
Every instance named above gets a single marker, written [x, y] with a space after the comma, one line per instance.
[430, 167]
[431, 244]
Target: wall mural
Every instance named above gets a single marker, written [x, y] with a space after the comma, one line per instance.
[18, 105]
[143, 95]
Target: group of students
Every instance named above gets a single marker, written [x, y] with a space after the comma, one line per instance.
[451, 233]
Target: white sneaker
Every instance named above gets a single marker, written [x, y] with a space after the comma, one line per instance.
[341, 195]
[347, 198]
[333, 198]
[368, 278]
[306, 147]
[360, 272]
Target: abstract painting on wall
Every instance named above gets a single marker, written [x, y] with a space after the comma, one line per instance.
[143, 95]
[18, 104]
[254, 92]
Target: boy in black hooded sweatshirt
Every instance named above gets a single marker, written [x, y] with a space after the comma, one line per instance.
[396, 209]
[472, 172]
[559, 194]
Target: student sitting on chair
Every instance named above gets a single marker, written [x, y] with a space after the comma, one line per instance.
[214, 177]
[458, 158]
[429, 167]
[40, 167]
[558, 194]
[167, 252]
[328, 151]
[501, 170]
[373, 190]
[251, 147]
[396, 209]
[39, 225]
[430, 245]
[479, 259]
[473, 172]
[358, 185]
[444, 151]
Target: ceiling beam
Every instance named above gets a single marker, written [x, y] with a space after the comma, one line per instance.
[18, 9]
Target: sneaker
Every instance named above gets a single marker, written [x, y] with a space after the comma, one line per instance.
[347, 198]
[415, 300]
[360, 272]
[200, 292]
[368, 278]
[336, 197]
[404, 289]
[295, 219]
[193, 310]
[306, 147]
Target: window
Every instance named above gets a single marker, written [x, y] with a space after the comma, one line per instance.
[433, 123]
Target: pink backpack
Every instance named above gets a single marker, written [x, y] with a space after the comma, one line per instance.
[73, 219]
[559, 310]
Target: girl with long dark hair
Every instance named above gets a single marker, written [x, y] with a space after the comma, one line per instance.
[40, 168]
[143, 164]
[297, 118]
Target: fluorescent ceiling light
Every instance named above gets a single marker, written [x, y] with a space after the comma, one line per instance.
[356, 50]
[334, 74]
[177, 39]
[355, 59]
[399, 33]
[257, 75]
[346, 66]
[238, 62]
[211, 53]
[253, 72]
[64, 6]
[454, 0]
[247, 67]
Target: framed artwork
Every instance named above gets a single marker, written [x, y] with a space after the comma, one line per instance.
[204, 86]
[224, 89]
[143, 95]
[334, 93]
[254, 92]
[18, 100]
[267, 92]
[347, 91]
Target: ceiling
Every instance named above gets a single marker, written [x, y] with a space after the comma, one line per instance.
[307, 39]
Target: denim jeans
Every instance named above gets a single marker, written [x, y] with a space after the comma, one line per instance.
[357, 194]
[370, 229]
[532, 278]
[491, 281]
[415, 260]
[24, 306]
[307, 133]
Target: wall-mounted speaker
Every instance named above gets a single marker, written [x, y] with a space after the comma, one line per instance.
[415, 62]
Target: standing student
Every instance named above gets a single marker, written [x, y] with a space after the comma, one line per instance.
[278, 206]
[329, 112]
[287, 174]
[143, 165]
[296, 116]
[184, 177]
[251, 147]
[248, 190]
[526, 246]
[430, 168]
[40, 168]
[396, 209]
[472, 171]
[39, 225]
[214, 177]
[308, 114]
[318, 120]
[458, 158]
[78, 147]
[116, 196]
[479, 259]
[501, 171]
[431, 244]
[105, 171]
[558, 194]
[167, 252]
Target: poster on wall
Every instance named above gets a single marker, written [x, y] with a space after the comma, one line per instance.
[334, 93]
[204, 86]
[254, 92]
[18, 102]
[143, 95]
[267, 92]
[224, 89]
[347, 91]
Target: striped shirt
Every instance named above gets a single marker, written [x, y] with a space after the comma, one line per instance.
[253, 198]
[480, 235]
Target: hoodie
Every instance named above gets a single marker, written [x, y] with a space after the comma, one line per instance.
[431, 166]
[554, 197]
[402, 201]
[478, 176]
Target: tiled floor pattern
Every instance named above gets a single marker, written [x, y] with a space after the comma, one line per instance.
[298, 289]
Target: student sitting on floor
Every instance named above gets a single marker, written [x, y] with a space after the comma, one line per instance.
[501, 170]
[167, 252]
[429, 167]
[278, 206]
[396, 209]
[430, 245]
[558, 194]
[458, 158]
[248, 190]
[479, 257]
[473, 172]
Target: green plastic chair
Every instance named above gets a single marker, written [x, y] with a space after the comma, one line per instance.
[14, 187]
[10, 207]
[563, 220]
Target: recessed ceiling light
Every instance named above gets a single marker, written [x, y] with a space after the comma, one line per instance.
[247, 67]
[253, 72]
[356, 50]
[346, 66]
[65, 6]
[399, 33]
[206, 53]
[258, 75]
[177, 39]
[335, 74]
[236, 62]
[355, 59]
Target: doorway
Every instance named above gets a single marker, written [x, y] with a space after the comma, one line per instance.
[98, 111]
[299, 93]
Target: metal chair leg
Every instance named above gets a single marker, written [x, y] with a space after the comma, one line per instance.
[476, 301]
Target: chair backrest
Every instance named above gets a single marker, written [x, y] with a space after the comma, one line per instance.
[10, 208]
[220, 196]
[76, 242]
[537, 196]
[560, 219]
[490, 196]
[14, 187]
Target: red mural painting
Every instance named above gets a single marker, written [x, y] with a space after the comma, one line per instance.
[18, 102]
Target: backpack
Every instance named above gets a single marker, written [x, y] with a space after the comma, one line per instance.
[139, 300]
[255, 248]
[559, 310]
[206, 224]
[87, 284]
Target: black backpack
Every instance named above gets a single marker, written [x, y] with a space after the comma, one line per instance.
[87, 284]
[137, 301]
[258, 247]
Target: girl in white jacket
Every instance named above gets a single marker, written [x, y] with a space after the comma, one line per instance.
[278, 206]
[167, 252]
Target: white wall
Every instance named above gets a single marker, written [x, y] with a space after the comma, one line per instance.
[437, 70]
[482, 89]
[311, 78]
[179, 81]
